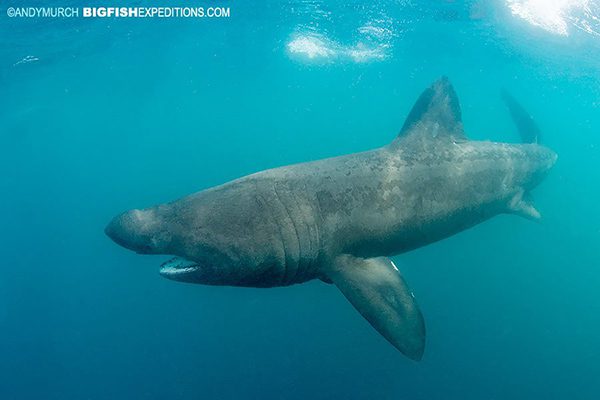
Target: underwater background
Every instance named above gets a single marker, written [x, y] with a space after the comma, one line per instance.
[98, 116]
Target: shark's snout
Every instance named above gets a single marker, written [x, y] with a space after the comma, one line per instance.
[133, 230]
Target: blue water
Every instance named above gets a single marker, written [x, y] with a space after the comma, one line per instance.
[107, 115]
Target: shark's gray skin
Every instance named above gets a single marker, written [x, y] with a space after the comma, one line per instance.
[339, 219]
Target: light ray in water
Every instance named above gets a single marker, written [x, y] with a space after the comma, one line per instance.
[559, 16]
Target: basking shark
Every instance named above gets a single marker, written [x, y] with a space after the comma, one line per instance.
[340, 219]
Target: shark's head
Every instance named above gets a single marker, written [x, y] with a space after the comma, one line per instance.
[141, 231]
[155, 231]
[207, 244]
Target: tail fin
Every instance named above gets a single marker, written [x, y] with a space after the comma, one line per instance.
[528, 129]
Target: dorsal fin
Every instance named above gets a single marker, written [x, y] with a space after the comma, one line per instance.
[436, 114]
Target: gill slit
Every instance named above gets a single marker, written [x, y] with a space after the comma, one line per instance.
[319, 219]
[289, 216]
[261, 201]
[305, 256]
[316, 220]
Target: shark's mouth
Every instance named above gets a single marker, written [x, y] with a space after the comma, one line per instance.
[177, 267]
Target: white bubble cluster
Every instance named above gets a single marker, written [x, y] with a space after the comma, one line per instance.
[316, 47]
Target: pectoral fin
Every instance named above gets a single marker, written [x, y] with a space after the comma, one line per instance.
[376, 289]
